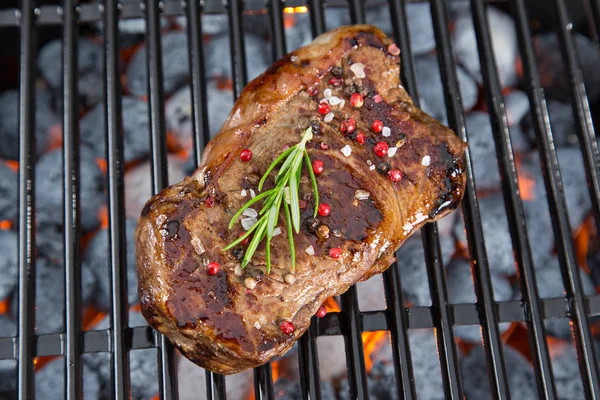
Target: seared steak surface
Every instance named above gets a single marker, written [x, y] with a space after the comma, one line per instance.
[231, 321]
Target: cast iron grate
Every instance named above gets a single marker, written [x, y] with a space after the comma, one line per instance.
[350, 322]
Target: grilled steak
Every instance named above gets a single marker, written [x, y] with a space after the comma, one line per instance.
[378, 194]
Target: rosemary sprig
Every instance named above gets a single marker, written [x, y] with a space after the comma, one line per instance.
[286, 190]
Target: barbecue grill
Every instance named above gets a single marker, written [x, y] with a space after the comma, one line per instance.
[398, 318]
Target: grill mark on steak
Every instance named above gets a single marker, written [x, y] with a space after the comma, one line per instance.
[216, 320]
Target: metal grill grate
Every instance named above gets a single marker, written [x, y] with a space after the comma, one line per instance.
[350, 322]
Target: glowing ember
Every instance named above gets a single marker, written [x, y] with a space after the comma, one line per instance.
[372, 341]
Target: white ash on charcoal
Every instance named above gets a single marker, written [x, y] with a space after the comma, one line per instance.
[90, 69]
[50, 295]
[175, 65]
[431, 89]
[8, 193]
[573, 178]
[212, 24]
[550, 285]
[371, 294]
[135, 132]
[47, 123]
[504, 43]
[461, 291]
[9, 270]
[425, 363]
[498, 242]
[332, 360]
[218, 56]
[564, 130]
[50, 381]
[49, 189]
[475, 377]
[178, 111]
[138, 184]
[516, 104]
[237, 386]
[290, 390]
[344, 390]
[96, 261]
[297, 31]
[413, 270]
[553, 69]
[142, 367]
[420, 26]
[565, 367]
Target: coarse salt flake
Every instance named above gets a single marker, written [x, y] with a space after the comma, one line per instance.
[369, 162]
[250, 212]
[392, 151]
[328, 117]
[372, 167]
[243, 193]
[327, 93]
[346, 150]
[248, 223]
[252, 193]
[310, 250]
[256, 324]
[294, 58]
[334, 100]
[386, 131]
[358, 69]
[426, 161]
[361, 194]
[342, 103]
[197, 245]
[276, 231]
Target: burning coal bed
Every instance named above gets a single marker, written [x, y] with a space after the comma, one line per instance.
[178, 110]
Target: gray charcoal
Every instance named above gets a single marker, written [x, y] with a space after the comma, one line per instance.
[498, 242]
[50, 380]
[290, 390]
[461, 291]
[47, 123]
[138, 184]
[504, 42]
[483, 151]
[96, 261]
[178, 111]
[554, 72]
[212, 24]
[8, 193]
[564, 131]
[136, 130]
[8, 326]
[143, 372]
[298, 34]
[336, 16]
[550, 285]
[8, 377]
[517, 107]
[344, 390]
[476, 384]
[175, 65]
[50, 295]
[413, 271]
[425, 363]
[565, 367]
[9, 270]
[218, 61]
[90, 60]
[431, 91]
[573, 179]
[49, 189]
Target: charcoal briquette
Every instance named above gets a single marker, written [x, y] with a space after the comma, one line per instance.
[8, 193]
[50, 379]
[286, 389]
[218, 60]
[9, 270]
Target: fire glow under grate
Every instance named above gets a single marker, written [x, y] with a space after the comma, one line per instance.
[517, 327]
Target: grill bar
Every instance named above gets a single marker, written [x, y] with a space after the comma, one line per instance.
[236, 43]
[119, 356]
[581, 106]
[167, 384]
[308, 362]
[263, 382]
[26, 288]
[215, 383]
[71, 178]
[276, 28]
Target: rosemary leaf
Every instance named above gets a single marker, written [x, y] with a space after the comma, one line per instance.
[273, 165]
[258, 237]
[241, 238]
[295, 202]
[268, 254]
[288, 223]
[247, 205]
[313, 180]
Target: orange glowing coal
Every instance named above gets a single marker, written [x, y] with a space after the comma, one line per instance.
[331, 305]
[294, 10]
[372, 341]
[289, 19]
[526, 187]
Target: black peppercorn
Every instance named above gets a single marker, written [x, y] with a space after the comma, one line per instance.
[349, 90]
[383, 167]
[311, 224]
[336, 71]
[315, 126]
[371, 141]
[238, 254]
